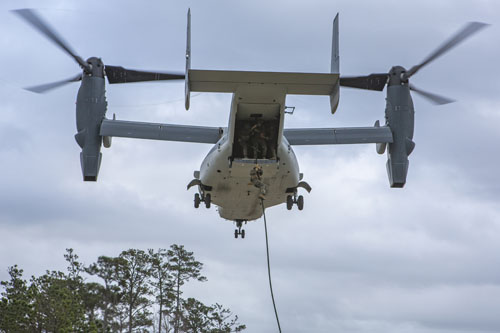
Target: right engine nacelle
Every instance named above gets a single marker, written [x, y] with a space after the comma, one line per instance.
[399, 115]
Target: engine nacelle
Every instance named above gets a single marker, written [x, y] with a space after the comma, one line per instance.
[90, 111]
[399, 115]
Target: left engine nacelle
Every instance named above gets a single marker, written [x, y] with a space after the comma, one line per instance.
[91, 108]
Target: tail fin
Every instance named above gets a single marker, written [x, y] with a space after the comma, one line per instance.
[187, 89]
[335, 68]
[335, 46]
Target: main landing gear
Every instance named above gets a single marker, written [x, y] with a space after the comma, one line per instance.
[239, 224]
[290, 200]
[206, 198]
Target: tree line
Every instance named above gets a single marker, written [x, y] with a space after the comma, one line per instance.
[137, 291]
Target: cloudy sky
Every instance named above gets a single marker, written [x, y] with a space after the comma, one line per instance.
[361, 257]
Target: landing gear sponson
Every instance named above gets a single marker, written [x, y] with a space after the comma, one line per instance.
[239, 231]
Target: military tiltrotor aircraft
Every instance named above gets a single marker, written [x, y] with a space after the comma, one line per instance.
[252, 165]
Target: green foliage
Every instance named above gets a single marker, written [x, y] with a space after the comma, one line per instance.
[130, 287]
[15, 307]
[222, 321]
[107, 269]
[57, 305]
[134, 271]
[162, 284]
[199, 318]
[184, 267]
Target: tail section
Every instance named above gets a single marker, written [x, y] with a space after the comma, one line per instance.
[335, 47]
[187, 89]
[335, 66]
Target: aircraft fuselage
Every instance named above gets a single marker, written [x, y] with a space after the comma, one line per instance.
[225, 173]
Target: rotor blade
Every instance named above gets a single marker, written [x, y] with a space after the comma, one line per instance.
[49, 86]
[369, 82]
[467, 31]
[118, 74]
[31, 17]
[436, 99]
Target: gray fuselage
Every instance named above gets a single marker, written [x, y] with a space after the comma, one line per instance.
[225, 172]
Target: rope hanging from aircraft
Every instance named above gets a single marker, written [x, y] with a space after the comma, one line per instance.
[269, 265]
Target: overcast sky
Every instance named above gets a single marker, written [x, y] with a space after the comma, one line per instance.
[361, 257]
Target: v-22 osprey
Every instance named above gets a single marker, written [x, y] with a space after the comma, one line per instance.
[252, 165]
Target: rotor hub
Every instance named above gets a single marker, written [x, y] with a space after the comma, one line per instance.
[96, 67]
[397, 76]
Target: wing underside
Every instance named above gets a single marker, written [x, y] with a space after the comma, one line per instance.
[203, 134]
[156, 131]
[338, 136]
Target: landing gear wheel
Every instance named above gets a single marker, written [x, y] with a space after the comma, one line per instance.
[208, 200]
[300, 202]
[239, 231]
[289, 202]
[197, 200]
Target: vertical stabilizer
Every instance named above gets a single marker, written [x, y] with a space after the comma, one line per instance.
[187, 89]
[335, 47]
[335, 67]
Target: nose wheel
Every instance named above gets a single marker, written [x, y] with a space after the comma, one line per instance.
[298, 200]
[239, 231]
[207, 199]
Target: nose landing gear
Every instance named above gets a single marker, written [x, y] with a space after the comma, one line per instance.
[239, 231]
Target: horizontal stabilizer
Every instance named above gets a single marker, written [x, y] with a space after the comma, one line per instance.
[294, 83]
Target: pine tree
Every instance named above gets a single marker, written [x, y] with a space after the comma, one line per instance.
[57, 307]
[199, 318]
[222, 320]
[161, 282]
[134, 270]
[107, 268]
[184, 267]
[15, 305]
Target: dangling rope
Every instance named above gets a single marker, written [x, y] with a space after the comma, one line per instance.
[269, 265]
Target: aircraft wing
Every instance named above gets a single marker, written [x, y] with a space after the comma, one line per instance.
[155, 131]
[338, 136]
